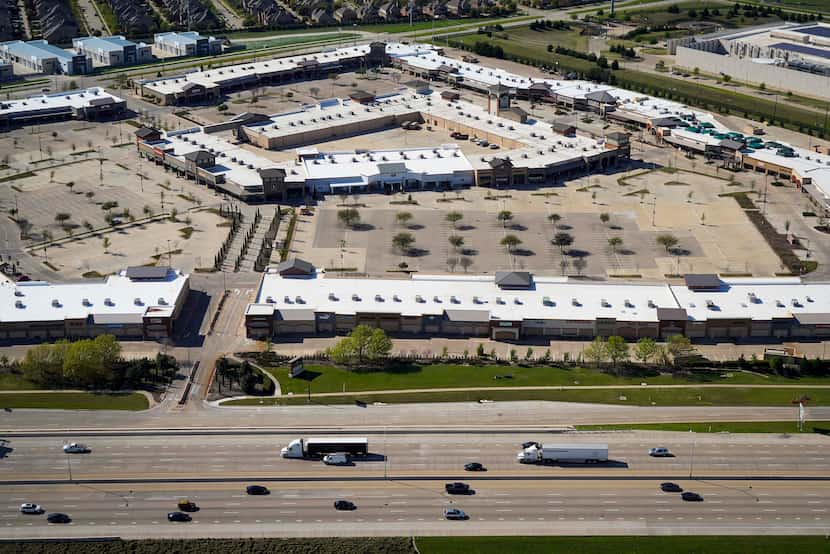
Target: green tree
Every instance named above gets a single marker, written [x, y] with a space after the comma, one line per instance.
[596, 351]
[667, 241]
[679, 347]
[510, 242]
[349, 217]
[454, 217]
[403, 242]
[364, 344]
[456, 241]
[617, 350]
[43, 364]
[505, 216]
[555, 219]
[614, 243]
[604, 217]
[645, 350]
[579, 265]
[562, 240]
[403, 218]
[62, 217]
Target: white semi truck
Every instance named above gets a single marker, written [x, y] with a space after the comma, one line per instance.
[314, 447]
[563, 453]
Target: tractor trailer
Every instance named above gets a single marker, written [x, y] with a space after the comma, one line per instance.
[563, 453]
[315, 447]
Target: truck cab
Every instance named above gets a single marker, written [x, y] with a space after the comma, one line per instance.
[293, 450]
[530, 455]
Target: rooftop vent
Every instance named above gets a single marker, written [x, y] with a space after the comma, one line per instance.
[108, 302]
[396, 298]
[795, 302]
[710, 304]
[419, 299]
[18, 292]
[575, 302]
[436, 299]
[628, 303]
[270, 300]
[137, 301]
[779, 304]
[455, 300]
[651, 304]
[332, 297]
[499, 300]
[356, 298]
[378, 298]
[19, 304]
[605, 303]
[299, 299]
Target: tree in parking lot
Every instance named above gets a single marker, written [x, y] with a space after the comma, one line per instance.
[349, 217]
[456, 241]
[403, 218]
[465, 263]
[454, 217]
[667, 241]
[554, 219]
[616, 349]
[562, 240]
[579, 265]
[510, 242]
[364, 344]
[504, 217]
[403, 242]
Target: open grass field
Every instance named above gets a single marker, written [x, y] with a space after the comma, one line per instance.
[74, 401]
[326, 378]
[822, 427]
[645, 396]
[659, 15]
[290, 40]
[622, 545]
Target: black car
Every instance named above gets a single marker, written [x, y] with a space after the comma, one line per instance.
[670, 487]
[344, 505]
[178, 516]
[474, 466]
[691, 497]
[257, 490]
[457, 488]
[58, 518]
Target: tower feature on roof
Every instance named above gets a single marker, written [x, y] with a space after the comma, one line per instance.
[514, 280]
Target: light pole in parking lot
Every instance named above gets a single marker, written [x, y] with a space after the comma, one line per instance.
[69, 465]
[692, 457]
[385, 457]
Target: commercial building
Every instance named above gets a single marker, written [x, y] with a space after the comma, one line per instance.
[6, 72]
[90, 104]
[190, 43]
[41, 57]
[295, 300]
[786, 56]
[137, 303]
[113, 51]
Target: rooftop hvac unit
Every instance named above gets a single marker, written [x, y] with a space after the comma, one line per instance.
[56, 303]
[628, 303]
[378, 298]
[454, 300]
[299, 299]
[517, 301]
[137, 301]
[752, 298]
[779, 304]
[356, 298]
[546, 301]
[575, 302]
[286, 299]
[18, 292]
[795, 302]
[419, 299]
[710, 304]
[651, 304]
[332, 297]
[161, 301]
[19, 304]
[605, 303]
[108, 302]
[396, 298]
[269, 300]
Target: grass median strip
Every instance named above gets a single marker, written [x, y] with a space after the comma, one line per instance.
[622, 545]
[74, 401]
[646, 396]
[821, 427]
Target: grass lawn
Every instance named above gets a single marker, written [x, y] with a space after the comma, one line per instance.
[623, 545]
[75, 401]
[659, 15]
[326, 378]
[822, 427]
[721, 396]
[294, 40]
[16, 382]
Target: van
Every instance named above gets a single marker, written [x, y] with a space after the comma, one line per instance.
[336, 459]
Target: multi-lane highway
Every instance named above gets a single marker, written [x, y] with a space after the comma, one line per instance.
[416, 507]
[222, 456]
[127, 484]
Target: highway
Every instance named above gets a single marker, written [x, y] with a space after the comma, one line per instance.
[415, 508]
[417, 455]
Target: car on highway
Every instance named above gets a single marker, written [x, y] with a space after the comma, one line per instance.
[455, 513]
[76, 448]
[30, 508]
[257, 490]
[336, 459]
[58, 517]
[457, 488]
[178, 516]
[659, 452]
[691, 497]
[344, 505]
[670, 487]
[528, 444]
[474, 466]
[187, 505]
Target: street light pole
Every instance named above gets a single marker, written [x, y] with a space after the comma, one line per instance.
[692, 457]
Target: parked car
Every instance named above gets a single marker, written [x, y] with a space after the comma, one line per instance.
[659, 452]
[670, 487]
[336, 459]
[76, 448]
[58, 517]
[344, 505]
[257, 490]
[691, 497]
[457, 488]
[187, 505]
[29, 508]
[178, 516]
[494, 147]
[455, 513]
[474, 466]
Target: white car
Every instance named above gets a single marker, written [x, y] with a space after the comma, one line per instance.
[659, 452]
[75, 448]
[338, 459]
[29, 508]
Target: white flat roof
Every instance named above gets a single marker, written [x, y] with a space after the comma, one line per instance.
[116, 296]
[76, 99]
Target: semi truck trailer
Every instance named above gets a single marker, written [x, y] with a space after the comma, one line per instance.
[564, 453]
[314, 447]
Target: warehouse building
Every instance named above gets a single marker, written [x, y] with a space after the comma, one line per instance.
[41, 57]
[89, 104]
[293, 299]
[190, 43]
[113, 51]
[140, 303]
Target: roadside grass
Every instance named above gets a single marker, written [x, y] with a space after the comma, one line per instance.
[645, 396]
[329, 378]
[10, 381]
[253, 45]
[74, 401]
[821, 427]
[624, 545]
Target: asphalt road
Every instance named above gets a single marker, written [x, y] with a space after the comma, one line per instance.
[407, 508]
[419, 455]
